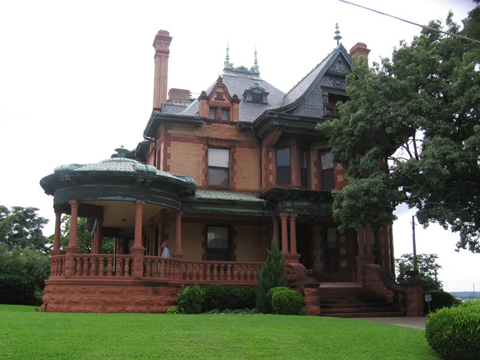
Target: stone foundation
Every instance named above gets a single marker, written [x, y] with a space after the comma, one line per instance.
[109, 298]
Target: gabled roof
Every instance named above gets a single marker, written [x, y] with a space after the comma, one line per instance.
[295, 96]
[237, 83]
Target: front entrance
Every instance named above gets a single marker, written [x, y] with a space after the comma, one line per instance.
[304, 245]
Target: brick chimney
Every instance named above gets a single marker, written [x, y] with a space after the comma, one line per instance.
[359, 49]
[162, 50]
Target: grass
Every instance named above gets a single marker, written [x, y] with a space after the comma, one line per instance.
[27, 334]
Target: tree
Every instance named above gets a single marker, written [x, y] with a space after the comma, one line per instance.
[272, 275]
[427, 270]
[22, 275]
[22, 227]
[410, 132]
[84, 236]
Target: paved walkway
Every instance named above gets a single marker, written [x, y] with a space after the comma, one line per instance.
[407, 321]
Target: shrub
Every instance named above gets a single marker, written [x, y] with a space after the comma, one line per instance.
[454, 332]
[173, 310]
[270, 295]
[191, 300]
[286, 302]
[440, 299]
[18, 290]
[475, 304]
[272, 275]
[229, 297]
[26, 267]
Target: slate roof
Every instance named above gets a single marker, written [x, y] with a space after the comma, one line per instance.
[227, 195]
[237, 83]
[305, 84]
[172, 109]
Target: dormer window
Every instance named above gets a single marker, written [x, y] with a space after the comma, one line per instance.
[218, 113]
[256, 94]
[212, 113]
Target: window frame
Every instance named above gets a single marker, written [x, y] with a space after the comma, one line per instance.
[277, 167]
[228, 252]
[321, 171]
[219, 167]
[307, 168]
[335, 252]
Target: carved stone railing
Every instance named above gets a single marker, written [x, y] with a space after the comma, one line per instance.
[221, 272]
[157, 268]
[162, 268]
[378, 280]
[102, 265]
[57, 266]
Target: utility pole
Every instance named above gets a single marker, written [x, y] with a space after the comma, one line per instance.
[415, 265]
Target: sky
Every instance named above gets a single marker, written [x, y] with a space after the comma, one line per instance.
[76, 79]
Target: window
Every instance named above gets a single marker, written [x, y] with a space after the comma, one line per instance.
[256, 94]
[218, 243]
[212, 113]
[303, 168]
[327, 175]
[332, 249]
[218, 167]
[225, 114]
[283, 166]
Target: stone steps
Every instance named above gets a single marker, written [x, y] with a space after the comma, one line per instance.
[351, 300]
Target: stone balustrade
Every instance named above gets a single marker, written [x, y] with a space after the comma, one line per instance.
[157, 268]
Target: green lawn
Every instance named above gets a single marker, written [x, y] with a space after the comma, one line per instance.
[27, 334]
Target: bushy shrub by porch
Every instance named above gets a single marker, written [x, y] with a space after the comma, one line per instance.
[454, 333]
[270, 294]
[223, 297]
[286, 302]
[191, 300]
[18, 289]
[440, 299]
[272, 275]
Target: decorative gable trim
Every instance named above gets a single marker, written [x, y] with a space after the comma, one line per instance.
[340, 51]
[219, 104]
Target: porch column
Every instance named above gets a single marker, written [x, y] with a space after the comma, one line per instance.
[72, 248]
[293, 256]
[137, 249]
[99, 236]
[178, 254]
[368, 235]
[56, 236]
[283, 218]
[275, 231]
[137, 243]
[72, 243]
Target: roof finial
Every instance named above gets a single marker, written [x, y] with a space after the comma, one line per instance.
[337, 34]
[255, 62]
[227, 58]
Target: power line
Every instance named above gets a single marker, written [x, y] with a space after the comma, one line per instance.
[411, 22]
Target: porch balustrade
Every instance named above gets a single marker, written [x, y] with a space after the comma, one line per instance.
[187, 272]
[221, 272]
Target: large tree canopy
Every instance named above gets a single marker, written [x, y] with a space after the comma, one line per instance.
[411, 133]
[22, 227]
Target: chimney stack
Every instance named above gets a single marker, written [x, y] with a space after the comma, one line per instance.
[359, 49]
[162, 50]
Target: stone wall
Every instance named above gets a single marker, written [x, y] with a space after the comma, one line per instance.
[109, 298]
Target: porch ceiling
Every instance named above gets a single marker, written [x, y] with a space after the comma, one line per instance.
[121, 214]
